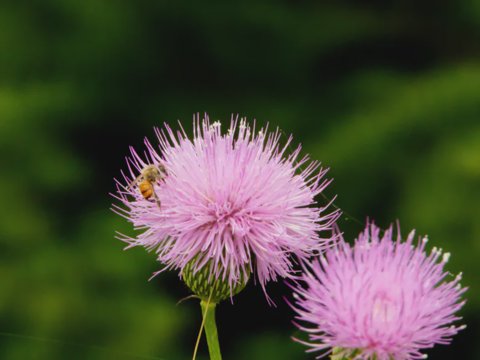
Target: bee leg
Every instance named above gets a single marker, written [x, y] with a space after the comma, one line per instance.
[134, 182]
[157, 200]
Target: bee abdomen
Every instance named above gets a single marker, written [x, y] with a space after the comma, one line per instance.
[146, 189]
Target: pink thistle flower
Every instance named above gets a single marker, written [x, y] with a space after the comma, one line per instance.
[380, 299]
[236, 201]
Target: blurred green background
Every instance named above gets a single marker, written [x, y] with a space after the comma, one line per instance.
[386, 93]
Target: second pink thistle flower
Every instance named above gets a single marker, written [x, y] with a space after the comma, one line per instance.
[380, 299]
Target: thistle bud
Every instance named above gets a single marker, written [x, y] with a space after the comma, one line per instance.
[205, 283]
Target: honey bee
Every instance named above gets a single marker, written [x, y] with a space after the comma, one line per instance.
[149, 176]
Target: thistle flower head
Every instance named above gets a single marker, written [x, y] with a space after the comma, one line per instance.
[380, 299]
[236, 202]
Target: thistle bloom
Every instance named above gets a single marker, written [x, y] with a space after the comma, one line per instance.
[380, 299]
[233, 203]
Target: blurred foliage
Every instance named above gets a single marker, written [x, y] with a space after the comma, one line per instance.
[386, 93]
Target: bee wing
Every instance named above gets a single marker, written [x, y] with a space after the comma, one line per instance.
[162, 169]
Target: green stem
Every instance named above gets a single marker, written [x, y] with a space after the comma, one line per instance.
[208, 313]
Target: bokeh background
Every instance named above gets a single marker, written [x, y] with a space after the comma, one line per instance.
[386, 93]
